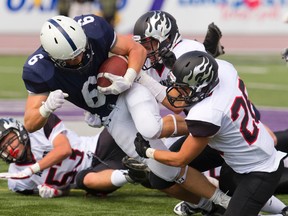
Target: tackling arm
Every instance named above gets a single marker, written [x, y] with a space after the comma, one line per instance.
[61, 151]
[173, 125]
[39, 107]
[33, 120]
[190, 149]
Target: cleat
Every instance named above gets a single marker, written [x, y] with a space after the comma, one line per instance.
[284, 211]
[137, 171]
[186, 209]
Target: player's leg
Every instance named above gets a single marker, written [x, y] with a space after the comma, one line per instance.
[283, 183]
[282, 140]
[107, 172]
[250, 191]
[208, 159]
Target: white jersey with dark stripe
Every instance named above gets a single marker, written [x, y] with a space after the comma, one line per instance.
[40, 74]
[242, 139]
[62, 174]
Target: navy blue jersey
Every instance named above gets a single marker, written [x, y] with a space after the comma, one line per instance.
[40, 74]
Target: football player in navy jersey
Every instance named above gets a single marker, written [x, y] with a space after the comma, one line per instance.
[65, 67]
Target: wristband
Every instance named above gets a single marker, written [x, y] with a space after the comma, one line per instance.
[44, 112]
[35, 168]
[157, 90]
[130, 75]
[150, 152]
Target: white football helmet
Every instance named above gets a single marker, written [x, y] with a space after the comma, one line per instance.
[63, 38]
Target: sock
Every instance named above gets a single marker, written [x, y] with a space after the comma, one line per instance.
[273, 206]
[203, 204]
[220, 198]
[118, 178]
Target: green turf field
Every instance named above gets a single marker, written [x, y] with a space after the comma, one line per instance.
[266, 78]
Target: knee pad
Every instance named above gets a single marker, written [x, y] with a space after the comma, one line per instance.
[80, 178]
[152, 131]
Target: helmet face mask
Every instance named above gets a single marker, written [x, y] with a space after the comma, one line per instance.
[13, 139]
[179, 95]
[152, 47]
[82, 67]
[159, 26]
[194, 77]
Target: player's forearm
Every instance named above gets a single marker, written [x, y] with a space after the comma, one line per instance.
[33, 120]
[60, 152]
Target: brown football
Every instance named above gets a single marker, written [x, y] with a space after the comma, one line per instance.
[116, 65]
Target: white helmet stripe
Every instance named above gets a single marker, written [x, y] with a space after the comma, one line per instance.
[64, 33]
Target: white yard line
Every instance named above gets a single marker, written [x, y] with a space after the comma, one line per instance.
[266, 86]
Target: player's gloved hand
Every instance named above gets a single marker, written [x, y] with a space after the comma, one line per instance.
[26, 173]
[285, 55]
[142, 147]
[119, 83]
[93, 120]
[54, 101]
[46, 191]
[212, 41]
[168, 57]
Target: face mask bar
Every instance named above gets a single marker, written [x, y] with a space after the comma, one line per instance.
[154, 53]
[184, 95]
[82, 67]
[9, 155]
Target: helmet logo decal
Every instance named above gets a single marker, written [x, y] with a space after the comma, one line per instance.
[160, 24]
[201, 75]
[64, 33]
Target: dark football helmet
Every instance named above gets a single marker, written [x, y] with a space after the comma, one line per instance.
[194, 77]
[160, 26]
[8, 125]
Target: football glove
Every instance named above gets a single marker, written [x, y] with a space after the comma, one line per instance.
[93, 120]
[141, 145]
[168, 57]
[212, 41]
[119, 83]
[54, 101]
[46, 191]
